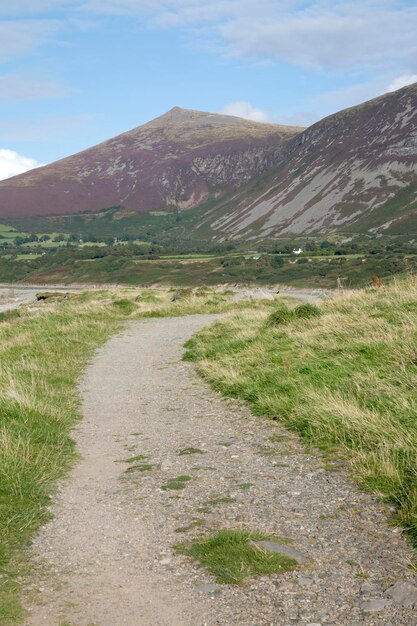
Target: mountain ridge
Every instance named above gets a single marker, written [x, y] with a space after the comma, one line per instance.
[173, 161]
[343, 172]
[355, 171]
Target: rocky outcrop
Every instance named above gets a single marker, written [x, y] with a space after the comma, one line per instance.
[355, 171]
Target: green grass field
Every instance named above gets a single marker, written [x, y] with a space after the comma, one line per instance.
[342, 375]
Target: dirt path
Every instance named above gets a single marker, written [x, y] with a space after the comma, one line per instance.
[106, 559]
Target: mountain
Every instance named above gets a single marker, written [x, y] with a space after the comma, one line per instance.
[355, 171]
[175, 161]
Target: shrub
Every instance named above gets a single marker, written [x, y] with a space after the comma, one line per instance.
[6, 316]
[124, 306]
[281, 315]
[304, 311]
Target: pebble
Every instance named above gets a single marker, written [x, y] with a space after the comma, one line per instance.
[208, 588]
[375, 604]
[272, 546]
[403, 593]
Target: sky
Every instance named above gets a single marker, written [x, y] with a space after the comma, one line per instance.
[76, 72]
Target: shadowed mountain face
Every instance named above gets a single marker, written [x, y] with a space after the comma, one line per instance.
[173, 162]
[355, 171]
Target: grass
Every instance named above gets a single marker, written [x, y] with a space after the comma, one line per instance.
[220, 500]
[345, 380]
[7, 316]
[196, 523]
[141, 467]
[232, 556]
[134, 459]
[43, 350]
[191, 450]
[177, 483]
[42, 354]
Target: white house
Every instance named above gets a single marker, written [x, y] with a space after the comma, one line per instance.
[297, 251]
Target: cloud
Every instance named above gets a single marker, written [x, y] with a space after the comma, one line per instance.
[402, 81]
[32, 7]
[12, 163]
[335, 36]
[22, 37]
[20, 87]
[357, 93]
[246, 110]
[300, 118]
[42, 130]
[318, 34]
[345, 35]
[351, 95]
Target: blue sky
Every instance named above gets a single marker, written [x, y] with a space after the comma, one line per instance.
[76, 72]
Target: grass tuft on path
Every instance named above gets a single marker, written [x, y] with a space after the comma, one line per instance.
[232, 556]
[177, 483]
[344, 379]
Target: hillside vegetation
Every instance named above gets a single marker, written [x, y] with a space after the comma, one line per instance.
[61, 258]
[343, 375]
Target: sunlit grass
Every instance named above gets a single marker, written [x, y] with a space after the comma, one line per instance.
[44, 349]
[232, 556]
[345, 380]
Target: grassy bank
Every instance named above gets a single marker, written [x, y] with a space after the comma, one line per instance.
[343, 376]
[43, 351]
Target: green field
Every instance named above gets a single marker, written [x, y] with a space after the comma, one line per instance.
[128, 265]
[145, 249]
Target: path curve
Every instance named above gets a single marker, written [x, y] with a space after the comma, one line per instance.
[106, 558]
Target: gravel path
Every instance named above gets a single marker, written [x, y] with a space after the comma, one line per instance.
[106, 559]
[11, 297]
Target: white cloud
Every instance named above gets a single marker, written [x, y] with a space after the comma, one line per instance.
[354, 94]
[25, 7]
[299, 118]
[319, 34]
[12, 163]
[402, 81]
[246, 110]
[42, 129]
[21, 87]
[330, 35]
[20, 37]
[338, 36]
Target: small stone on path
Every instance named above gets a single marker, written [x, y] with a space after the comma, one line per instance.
[376, 604]
[208, 588]
[403, 593]
[279, 548]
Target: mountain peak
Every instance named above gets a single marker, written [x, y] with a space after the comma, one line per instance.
[175, 161]
[177, 115]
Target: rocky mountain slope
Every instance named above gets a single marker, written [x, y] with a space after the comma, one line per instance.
[175, 161]
[355, 171]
